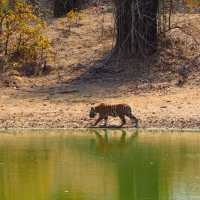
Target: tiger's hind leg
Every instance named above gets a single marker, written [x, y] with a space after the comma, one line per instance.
[133, 119]
[123, 121]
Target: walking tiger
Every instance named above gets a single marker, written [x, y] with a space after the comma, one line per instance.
[117, 110]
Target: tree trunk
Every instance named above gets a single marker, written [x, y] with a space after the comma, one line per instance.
[136, 25]
[64, 6]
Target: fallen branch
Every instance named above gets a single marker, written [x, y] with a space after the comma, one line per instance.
[64, 92]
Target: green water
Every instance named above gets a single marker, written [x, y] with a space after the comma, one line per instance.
[99, 164]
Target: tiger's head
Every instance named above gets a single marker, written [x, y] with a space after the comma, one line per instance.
[92, 112]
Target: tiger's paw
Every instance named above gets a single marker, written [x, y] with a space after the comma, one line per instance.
[102, 126]
[91, 126]
[136, 125]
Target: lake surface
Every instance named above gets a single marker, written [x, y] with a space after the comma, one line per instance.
[99, 164]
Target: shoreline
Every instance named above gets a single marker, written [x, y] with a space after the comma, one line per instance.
[104, 128]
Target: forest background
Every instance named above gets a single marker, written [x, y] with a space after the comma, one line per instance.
[57, 58]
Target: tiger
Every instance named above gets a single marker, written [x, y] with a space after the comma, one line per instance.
[117, 110]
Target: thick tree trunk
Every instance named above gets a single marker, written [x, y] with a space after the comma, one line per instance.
[123, 24]
[136, 25]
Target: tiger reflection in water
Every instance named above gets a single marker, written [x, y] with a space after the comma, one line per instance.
[117, 110]
[107, 143]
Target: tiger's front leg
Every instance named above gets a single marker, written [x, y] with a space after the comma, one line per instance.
[98, 120]
[105, 121]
